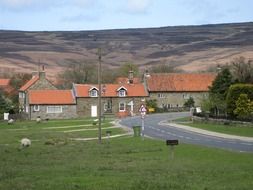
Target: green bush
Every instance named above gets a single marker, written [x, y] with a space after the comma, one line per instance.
[189, 103]
[244, 107]
[234, 93]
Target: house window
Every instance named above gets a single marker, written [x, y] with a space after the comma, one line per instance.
[105, 106]
[36, 108]
[160, 95]
[54, 109]
[122, 106]
[186, 96]
[122, 93]
[21, 95]
[94, 93]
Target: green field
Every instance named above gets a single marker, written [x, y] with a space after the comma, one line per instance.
[121, 163]
[232, 129]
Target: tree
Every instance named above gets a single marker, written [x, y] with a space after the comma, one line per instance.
[222, 83]
[79, 72]
[218, 92]
[234, 93]
[163, 68]
[4, 105]
[124, 69]
[242, 70]
[19, 79]
[189, 103]
[16, 82]
[244, 107]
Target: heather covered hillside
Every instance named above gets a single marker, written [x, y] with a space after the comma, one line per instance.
[191, 48]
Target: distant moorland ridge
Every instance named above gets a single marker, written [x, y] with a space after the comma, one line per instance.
[190, 48]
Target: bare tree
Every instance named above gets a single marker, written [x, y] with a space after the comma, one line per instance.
[79, 72]
[242, 70]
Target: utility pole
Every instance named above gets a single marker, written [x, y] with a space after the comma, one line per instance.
[99, 96]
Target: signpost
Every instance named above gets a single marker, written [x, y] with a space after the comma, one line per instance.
[172, 143]
[142, 111]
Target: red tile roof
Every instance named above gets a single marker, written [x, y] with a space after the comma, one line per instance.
[5, 85]
[124, 80]
[4, 82]
[133, 90]
[51, 97]
[180, 82]
[29, 83]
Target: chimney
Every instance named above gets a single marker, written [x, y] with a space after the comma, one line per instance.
[146, 74]
[131, 77]
[35, 73]
[42, 74]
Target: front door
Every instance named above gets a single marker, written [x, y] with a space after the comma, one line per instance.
[94, 112]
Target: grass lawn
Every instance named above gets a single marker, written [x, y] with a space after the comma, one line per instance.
[123, 163]
[233, 129]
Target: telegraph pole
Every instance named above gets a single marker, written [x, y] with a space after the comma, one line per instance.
[99, 96]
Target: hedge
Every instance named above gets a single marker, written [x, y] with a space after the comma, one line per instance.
[233, 94]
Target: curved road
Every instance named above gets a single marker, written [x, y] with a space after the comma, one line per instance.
[156, 130]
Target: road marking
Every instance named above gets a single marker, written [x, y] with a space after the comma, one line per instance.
[247, 144]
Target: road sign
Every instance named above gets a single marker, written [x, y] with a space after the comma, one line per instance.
[172, 142]
[143, 109]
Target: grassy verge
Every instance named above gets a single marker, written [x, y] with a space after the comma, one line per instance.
[232, 129]
[124, 163]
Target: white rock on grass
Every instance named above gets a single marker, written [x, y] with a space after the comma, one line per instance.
[25, 142]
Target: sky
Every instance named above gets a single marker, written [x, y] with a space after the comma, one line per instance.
[55, 15]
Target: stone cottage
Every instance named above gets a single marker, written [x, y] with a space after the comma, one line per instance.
[172, 90]
[51, 104]
[37, 82]
[117, 99]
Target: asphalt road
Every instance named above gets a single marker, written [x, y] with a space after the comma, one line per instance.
[156, 130]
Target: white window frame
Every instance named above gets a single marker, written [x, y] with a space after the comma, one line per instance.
[105, 106]
[161, 95]
[122, 93]
[94, 93]
[36, 108]
[21, 95]
[54, 107]
[186, 96]
[120, 110]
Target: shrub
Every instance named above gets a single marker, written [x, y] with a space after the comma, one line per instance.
[234, 93]
[189, 103]
[244, 107]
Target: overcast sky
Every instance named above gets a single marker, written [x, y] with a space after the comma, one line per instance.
[111, 14]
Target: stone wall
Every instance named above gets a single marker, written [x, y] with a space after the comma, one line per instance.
[84, 105]
[219, 121]
[176, 99]
[42, 84]
[68, 112]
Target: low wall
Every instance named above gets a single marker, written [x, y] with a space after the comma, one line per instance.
[220, 121]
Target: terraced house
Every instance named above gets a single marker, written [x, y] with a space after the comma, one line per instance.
[172, 90]
[118, 99]
[40, 98]
[51, 104]
[37, 82]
